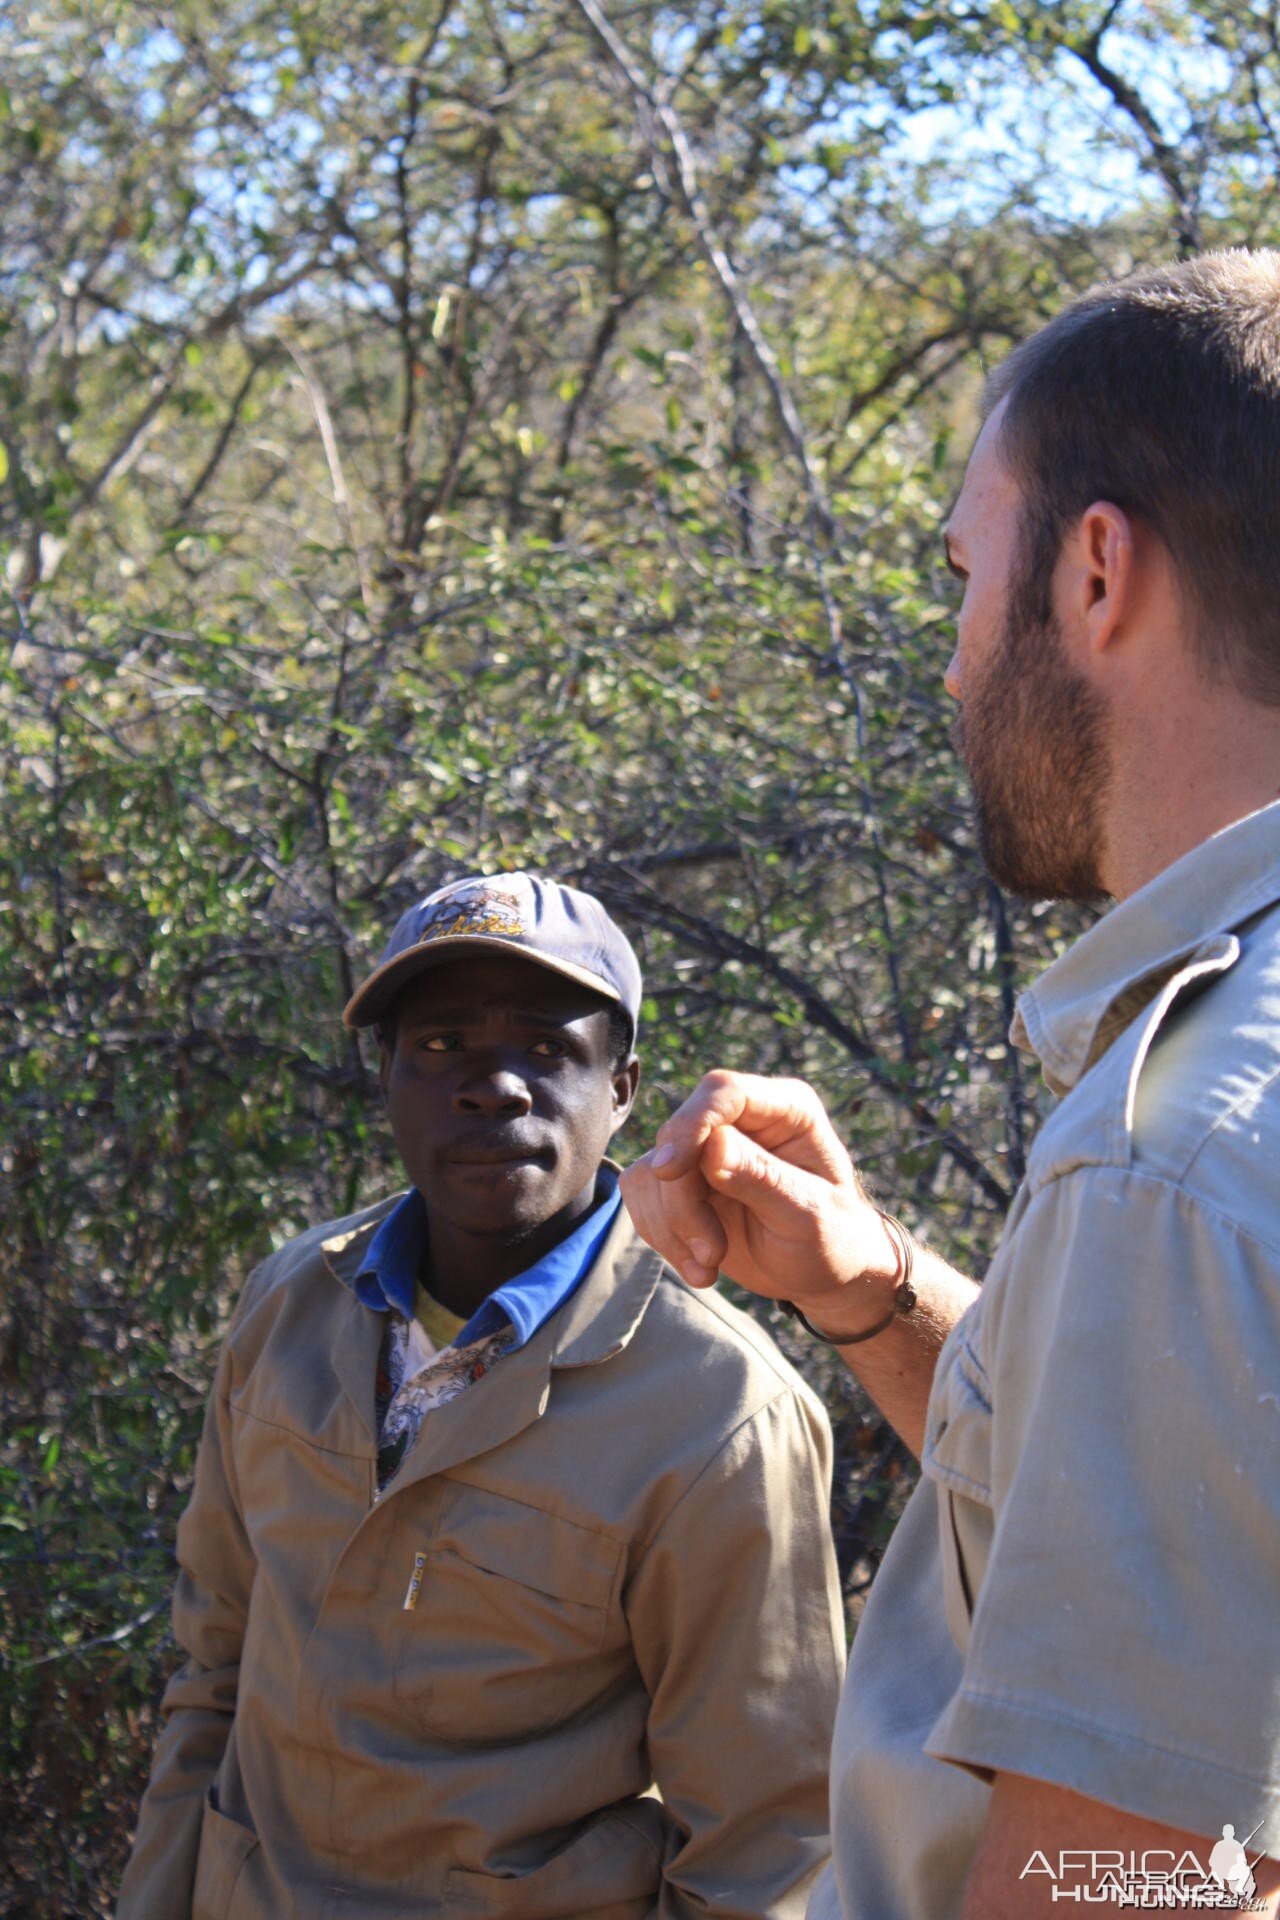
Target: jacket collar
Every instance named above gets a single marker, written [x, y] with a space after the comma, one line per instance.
[1091, 993]
[600, 1319]
[596, 1322]
[355, 1358]
[344, 1251]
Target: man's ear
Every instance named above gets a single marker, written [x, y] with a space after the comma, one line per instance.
[625, 1082]
[385, 1054]
[1100, 576]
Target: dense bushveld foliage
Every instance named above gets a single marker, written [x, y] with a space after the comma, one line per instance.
[446, 437]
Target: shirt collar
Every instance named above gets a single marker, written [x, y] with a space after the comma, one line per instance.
[387, 1276]
[1079, 1004]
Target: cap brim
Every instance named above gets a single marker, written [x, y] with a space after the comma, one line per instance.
[374, 996]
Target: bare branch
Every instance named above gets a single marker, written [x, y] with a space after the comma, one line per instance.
[616, 882]
[333, 460]
[660, 110]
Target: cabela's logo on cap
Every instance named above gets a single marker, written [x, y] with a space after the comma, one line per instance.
[487, 910]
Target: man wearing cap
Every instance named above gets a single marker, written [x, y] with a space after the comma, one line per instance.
[506, 1583]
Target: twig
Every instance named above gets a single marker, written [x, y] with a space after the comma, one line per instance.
[333, 459]
[657, 109]
[99, 1640]
[661, 111]
[616, 882]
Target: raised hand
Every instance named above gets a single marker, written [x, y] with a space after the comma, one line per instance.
[749, 1178]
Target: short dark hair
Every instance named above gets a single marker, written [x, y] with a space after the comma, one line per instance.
[621, 1034]
[1161, 393]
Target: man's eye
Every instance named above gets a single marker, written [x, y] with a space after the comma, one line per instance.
[548, 1049]
[438, 1042]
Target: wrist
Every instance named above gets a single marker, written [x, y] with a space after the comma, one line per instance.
[870, 1301]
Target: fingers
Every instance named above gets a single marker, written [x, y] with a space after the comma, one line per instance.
[677, 1219]
[784, 1116]
[718, 1100]
[793, 1234]
[749, 1175]
[784, 1199]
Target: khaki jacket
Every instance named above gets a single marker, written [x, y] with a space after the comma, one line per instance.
[581, 1657]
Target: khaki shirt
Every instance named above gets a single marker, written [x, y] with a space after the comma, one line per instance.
[605, 1567]
[1085, 1586]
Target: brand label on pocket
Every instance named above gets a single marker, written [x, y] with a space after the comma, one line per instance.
[415, 1582]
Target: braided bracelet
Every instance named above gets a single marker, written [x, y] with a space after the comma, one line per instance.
[904, 1294]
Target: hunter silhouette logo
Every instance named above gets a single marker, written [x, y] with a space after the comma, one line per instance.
[1229, 1864]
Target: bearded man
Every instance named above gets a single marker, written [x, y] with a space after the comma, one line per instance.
[1066, 1676]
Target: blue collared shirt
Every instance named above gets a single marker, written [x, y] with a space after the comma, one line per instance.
[388, 1278]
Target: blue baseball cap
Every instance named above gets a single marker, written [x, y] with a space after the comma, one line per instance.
[556, 927]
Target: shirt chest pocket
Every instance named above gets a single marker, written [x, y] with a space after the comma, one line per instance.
[505, 1620]
[300, 1502]
[957, 1458]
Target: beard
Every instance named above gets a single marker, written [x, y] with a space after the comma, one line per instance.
[1033, 736]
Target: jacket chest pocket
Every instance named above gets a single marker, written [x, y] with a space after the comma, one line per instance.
[504, 1620]
[957, 1458]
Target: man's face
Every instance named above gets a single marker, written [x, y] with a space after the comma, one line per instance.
[501, 1092]
[1031, 729]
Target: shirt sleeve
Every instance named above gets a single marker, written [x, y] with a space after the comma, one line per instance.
[1124, 1635]
[737, 1626]
[210, 1608]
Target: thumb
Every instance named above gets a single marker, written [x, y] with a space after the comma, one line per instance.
[782, 1197]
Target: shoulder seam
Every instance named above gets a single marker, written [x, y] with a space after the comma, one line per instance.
[1146, 1177]
[784, 1391]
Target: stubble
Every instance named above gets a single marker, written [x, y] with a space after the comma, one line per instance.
[1032, 733]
